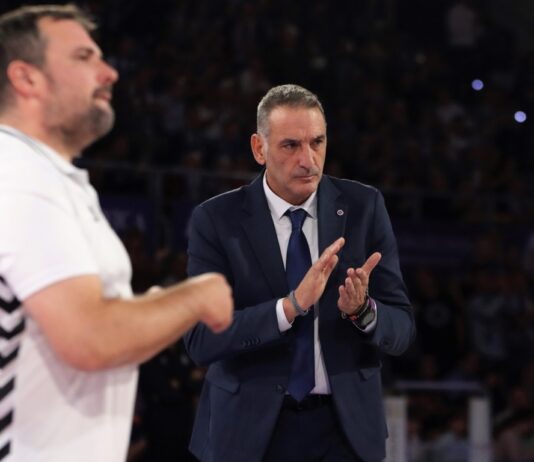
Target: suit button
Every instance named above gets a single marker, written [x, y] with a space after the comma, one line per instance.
[280, 389]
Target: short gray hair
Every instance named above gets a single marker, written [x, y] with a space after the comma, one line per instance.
[284, 95]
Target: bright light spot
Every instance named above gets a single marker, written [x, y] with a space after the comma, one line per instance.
[520, 117]
[477, 85]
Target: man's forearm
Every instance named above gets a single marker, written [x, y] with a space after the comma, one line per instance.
[92, 333]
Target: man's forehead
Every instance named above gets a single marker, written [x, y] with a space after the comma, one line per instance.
[287, 119]
[65, 33]
[292, 110]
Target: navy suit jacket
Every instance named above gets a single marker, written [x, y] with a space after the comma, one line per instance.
[249, 363]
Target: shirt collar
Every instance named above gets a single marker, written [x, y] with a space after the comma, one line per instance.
[279, 206]
[58, 161]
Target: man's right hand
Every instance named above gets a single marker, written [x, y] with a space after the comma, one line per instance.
[312, 286]
[215, 303]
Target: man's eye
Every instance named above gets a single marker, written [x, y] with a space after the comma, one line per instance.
[84, 55]
[290, 145]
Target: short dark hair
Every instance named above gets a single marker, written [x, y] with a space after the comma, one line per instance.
[284, 95]
[20, 37]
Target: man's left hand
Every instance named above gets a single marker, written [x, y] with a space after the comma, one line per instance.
[352, 292]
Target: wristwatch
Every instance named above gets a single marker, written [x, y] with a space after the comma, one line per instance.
[367, 316]
[359, 311]
[364, 316]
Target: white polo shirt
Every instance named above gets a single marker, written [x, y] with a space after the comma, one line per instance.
[51, 229]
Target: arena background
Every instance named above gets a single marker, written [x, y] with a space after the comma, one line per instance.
[431, 101]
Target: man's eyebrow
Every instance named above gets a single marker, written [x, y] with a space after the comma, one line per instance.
[321, 137]
[289, 140]
[87, 50]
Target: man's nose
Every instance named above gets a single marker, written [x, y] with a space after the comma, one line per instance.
[108, 73]
[306, 157]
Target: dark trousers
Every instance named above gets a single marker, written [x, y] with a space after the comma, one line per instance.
[309, 432]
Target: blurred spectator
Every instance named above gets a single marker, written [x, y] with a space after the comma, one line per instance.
[515, 441]
[452, 445]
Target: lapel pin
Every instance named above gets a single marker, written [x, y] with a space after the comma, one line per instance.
[340, 212]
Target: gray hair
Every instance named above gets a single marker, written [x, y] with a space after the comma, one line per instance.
[20, 38]
[284, 95]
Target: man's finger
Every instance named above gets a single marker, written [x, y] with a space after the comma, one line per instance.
[335, 247]
[371, 262]
[350, 287]
[331, 250]
[331, 264]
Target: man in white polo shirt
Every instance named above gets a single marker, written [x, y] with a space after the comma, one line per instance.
[71, 334]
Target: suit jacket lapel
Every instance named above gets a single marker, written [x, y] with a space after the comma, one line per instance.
[259, 228]
[332, 212]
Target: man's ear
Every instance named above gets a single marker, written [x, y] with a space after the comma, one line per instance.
[24, 77]
[258, 145]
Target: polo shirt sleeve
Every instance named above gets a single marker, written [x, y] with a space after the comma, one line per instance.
[41, 242]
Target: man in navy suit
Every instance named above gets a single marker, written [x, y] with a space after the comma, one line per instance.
[248, 410]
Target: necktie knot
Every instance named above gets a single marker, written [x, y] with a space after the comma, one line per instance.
[297, 218]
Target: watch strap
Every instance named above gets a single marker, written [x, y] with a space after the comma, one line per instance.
[363, 318]
[367, 317]
[359, 311]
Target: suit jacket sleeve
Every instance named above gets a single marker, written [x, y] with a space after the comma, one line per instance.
[395, 328]
[254, 327]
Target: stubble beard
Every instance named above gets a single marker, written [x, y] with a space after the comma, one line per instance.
[85, 128]
[78, 130]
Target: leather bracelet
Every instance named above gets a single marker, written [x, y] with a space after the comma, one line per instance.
[300, 311]
[360, 310]
[365, 317]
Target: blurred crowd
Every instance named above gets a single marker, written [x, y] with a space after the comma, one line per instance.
[406, 113]
[401, 110]
[432, 102]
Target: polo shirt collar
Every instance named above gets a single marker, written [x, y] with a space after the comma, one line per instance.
[58, 161]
